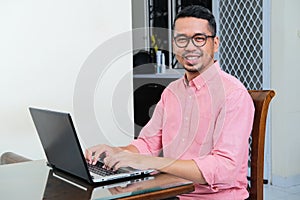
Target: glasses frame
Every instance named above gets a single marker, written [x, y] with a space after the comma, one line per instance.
[192, 38]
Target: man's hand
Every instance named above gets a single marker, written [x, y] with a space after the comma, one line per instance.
[116, 157]
[126, 158]
[93, 154]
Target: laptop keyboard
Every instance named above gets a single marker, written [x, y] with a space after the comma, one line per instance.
[98, 169]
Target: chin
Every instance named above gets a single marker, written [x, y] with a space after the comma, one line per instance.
[192, 69]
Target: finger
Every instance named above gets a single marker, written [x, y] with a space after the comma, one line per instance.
[107, 162]
[117, 166]
[104, 162]
[110, 162]
[98, 153]
[95, 152]
[88, 154]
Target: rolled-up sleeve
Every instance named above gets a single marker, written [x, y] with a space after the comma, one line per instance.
[227, 162]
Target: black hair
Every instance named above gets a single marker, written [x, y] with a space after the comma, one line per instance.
[198, 12]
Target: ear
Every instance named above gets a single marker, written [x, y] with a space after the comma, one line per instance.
[216, 44]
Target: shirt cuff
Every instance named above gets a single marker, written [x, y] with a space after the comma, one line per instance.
[141, 146]
[207, 167]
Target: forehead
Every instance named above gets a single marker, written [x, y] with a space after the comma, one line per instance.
[191, 25]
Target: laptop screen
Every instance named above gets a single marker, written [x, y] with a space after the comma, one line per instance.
[60, 142]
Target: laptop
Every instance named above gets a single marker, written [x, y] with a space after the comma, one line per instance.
[63, 151]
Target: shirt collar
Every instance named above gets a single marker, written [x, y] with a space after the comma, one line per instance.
[205, 76]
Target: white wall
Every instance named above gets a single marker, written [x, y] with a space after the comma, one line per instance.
[285, 70]
[44, 46]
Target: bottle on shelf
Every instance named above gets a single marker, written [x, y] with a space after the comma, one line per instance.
[158, 62]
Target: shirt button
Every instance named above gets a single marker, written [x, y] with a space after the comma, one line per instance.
[183, 140]
[186, 118]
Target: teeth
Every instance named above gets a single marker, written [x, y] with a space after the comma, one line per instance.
[191, 57]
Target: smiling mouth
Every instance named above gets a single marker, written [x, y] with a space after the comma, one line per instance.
[192, 57]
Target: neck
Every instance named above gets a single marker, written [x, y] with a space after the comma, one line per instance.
[191, 75]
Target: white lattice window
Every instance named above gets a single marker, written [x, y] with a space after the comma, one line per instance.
[241, 37]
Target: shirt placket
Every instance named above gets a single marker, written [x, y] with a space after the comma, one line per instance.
[187, 120]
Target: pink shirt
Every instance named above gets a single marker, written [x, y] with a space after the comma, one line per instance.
[208, 120]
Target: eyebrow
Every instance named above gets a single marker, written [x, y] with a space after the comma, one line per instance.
[182, 34]
[178, 35]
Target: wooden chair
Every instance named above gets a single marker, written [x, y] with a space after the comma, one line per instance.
[261, 99]
[10, 157]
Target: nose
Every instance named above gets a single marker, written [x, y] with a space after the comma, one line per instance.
[190, 46]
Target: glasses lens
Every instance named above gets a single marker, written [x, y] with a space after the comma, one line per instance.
[181, 41]
[199, 40]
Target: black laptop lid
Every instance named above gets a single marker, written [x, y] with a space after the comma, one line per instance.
[60, 142]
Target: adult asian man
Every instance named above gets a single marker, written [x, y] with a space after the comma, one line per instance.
[202, 121]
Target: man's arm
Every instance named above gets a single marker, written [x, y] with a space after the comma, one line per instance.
[117, 157]
[187, 169]
[129, 156]
[130, 148]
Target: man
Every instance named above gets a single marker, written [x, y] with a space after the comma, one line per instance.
[202, 121]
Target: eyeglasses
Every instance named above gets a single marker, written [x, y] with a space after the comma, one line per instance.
[199, 40]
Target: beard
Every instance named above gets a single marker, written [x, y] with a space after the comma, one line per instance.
[193, 68]
[196, 61]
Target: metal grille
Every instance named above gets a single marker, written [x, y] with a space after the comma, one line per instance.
[241, 40]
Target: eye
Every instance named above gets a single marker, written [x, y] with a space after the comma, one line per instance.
[181, 39]
[199, 38]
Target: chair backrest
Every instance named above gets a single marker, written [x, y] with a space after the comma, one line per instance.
[261, 99]
[10, 157]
